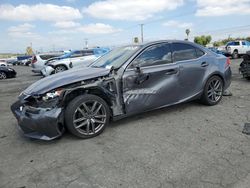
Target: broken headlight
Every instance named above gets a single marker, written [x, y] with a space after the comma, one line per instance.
[52, 95]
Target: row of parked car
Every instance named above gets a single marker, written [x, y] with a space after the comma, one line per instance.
[47, 64]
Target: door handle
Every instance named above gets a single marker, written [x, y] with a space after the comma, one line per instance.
[171, 71]
[204, 64]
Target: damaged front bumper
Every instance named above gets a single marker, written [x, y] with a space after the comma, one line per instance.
[39, 123]
[47, 70]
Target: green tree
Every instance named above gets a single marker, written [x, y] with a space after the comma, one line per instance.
[203, 40]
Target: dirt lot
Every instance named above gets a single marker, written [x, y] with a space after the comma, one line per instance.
[188, 145]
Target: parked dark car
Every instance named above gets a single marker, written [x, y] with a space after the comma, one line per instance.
[245, 66]
[126, 81]
[6, 72]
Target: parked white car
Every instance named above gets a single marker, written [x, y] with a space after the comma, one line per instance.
[39, 60]
[3, 64]
[237, 48]
[75, 59]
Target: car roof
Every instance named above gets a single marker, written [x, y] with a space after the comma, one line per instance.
[50, 53]
[168, 41]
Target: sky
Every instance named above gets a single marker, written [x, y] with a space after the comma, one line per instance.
[68, 24]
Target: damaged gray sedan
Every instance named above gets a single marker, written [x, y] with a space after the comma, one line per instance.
[126, 81]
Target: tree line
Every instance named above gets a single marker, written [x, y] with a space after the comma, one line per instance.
[206, 39]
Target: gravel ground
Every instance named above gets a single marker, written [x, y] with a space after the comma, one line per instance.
[188, 145]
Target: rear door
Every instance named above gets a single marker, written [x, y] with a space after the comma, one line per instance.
[151, 80]
[193, 65]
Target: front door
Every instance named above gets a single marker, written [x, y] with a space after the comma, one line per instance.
[151, 80]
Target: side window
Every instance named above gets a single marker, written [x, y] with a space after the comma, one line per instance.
[237, 43]
[244, 43]
[199, 53]
[46, 57]
[88, 52]
[155, 55]
[183, 52]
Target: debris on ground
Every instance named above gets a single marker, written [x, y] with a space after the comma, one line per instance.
[246, 129]
[227, 93]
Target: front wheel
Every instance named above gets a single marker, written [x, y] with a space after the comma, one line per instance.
[213, 91]
[60, 68]
[86, 116]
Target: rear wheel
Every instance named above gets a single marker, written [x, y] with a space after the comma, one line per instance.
[60, 68]
[213, 91]
[3, 75]
[86, 116]
[235, 54]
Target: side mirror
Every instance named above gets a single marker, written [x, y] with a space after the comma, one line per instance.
[138, 69]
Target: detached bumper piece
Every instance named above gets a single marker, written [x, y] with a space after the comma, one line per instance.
[47, 70]
[38, 123]
[245, 67]
[246, 129]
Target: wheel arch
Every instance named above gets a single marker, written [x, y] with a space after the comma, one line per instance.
[92, 90]
[61, 65]
[215, 74]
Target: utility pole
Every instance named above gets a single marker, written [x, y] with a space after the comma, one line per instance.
[86, 43]
[141, 32]
[53, 47]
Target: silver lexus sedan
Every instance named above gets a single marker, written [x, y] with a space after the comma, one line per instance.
[126, 81]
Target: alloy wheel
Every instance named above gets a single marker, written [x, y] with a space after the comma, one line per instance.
[60, 69]
[215, 90]
[2, 76]
[89, 118]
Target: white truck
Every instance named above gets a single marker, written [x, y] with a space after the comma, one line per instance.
[237, 48]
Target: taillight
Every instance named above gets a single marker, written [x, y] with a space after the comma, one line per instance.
[34, 59]
[228, 62]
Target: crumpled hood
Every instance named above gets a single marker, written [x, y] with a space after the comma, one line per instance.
[64, 78]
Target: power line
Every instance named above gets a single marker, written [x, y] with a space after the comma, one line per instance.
[235, 28]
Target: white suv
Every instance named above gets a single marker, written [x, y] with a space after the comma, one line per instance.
[39, 60]
[237, 48]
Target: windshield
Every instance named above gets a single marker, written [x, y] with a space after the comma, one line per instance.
[116, 57]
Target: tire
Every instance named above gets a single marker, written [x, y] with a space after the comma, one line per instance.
[81, 121]
[3, 75]
[235, 54]
[212, 96]
[60, 68]
[246, 57]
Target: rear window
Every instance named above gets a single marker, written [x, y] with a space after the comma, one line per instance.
[199, 52]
